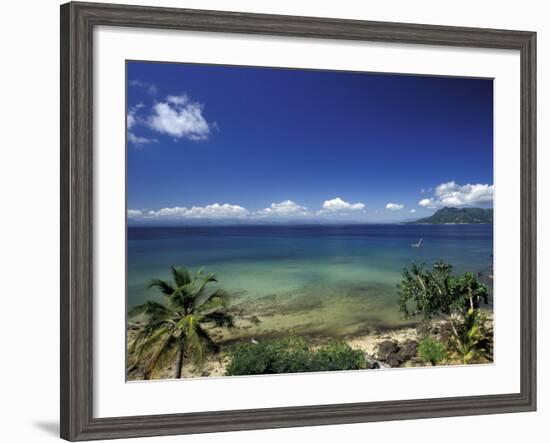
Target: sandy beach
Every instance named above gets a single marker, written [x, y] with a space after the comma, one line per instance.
[400, 342]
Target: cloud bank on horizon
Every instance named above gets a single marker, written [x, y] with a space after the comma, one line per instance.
[276, 211]
[445, 194]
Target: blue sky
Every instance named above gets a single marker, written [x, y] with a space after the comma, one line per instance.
[261, 145]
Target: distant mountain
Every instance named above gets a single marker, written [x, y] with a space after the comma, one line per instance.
[458, 215]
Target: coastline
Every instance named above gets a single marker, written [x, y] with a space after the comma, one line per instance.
[320, 284]
[384, 348]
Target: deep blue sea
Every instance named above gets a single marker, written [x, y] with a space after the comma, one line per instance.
[315, 279]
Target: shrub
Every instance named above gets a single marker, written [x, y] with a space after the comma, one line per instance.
[469, 339]
[431, 293]
[431, 351]
[337, 356]
[291, 355]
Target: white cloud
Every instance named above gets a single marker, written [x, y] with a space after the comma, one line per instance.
[179, 117]
[412, 211]
[281, 210]
[177, 99]
[136, 140]
[337, 205]
[427, 203]
[151, 88]
[284, 208]
[453, 194]
[217, 210]
[132, 120]
[210, 211]
[394, 206]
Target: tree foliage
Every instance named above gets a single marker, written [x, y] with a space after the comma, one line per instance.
[177, 326]
[430, 293]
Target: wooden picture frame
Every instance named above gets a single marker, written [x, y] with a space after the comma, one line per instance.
[77, 23]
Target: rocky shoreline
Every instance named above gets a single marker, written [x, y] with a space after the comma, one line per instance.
[394, 348]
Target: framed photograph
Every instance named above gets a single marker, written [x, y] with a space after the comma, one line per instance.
[292, 221]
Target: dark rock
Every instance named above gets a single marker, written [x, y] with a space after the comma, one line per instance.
[386, 348]
[394, 360]
[408, 350]
[394, 354]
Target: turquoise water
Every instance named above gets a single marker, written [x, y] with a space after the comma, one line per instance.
[310, 279]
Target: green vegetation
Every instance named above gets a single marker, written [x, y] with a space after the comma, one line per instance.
[436, 292]
[431, 351]
[180, 328]
[291, 355]
[175, 328]
[459, 215]
[469, 339]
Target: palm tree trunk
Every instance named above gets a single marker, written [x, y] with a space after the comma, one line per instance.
[179, 361]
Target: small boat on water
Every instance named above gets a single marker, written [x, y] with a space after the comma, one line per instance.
[418, 244]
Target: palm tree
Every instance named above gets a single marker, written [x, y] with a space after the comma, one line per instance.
[176, 327]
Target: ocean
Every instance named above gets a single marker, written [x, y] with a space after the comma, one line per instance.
[327, 280]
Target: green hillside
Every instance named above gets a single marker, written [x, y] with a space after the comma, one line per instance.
[458, 215]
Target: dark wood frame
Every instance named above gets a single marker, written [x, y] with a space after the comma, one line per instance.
[77, 24]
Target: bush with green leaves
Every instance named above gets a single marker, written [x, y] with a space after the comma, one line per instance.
[430, 293]
[337, 356]
[431, 350]
[436, 292]
[291, 355]
[469, 339]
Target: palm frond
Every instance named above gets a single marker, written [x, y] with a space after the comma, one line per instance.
[135, 343]
[164, 287]
[149, 308]
[219, 318]
[160, 354]
[199, 273]
[184, 323]
[181, 276]
[208, 278]
[211, 301]
[196, 347]
[203, 335]
[147, 338]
